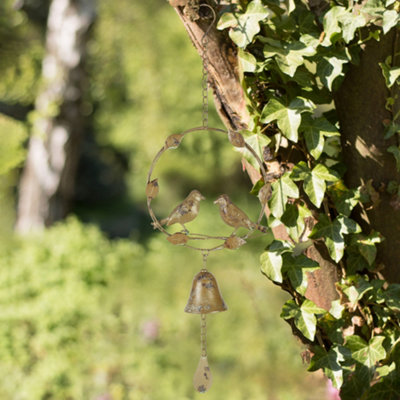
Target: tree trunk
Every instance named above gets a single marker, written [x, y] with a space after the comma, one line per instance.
[360, 104]
[47, 182]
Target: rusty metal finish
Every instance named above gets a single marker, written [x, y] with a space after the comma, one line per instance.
[205, 297]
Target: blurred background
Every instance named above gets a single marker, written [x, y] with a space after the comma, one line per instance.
[91, 298]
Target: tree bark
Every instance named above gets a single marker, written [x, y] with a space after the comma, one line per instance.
[47, 182]
[360, 104]
[223, 66]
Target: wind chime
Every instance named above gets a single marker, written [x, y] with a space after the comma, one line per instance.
[205, 296]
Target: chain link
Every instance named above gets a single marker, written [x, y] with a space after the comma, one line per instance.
[205, 82]
[203, 335]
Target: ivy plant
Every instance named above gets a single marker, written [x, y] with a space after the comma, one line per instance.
[292, 62]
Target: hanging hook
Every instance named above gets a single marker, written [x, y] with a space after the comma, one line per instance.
[212, 23]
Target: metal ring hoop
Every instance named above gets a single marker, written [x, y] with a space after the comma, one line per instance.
[199, 236]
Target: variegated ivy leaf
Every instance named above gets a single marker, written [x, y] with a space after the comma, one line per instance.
[345, 199]
[257, 142]
[365, 353]
[390, 19]
[330, 363]
[288, 56]
[304, 316]
[315, 131]
[244, 26]
[391, 74]
[313, 180]
[283, 188]
[330, 68]
[271, 260]
[340, 22]
[288, 117]
[247, 61]
[333, 233]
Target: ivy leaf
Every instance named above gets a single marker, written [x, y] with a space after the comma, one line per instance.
[271, 260]
[303, 316]
[288, 117]
[315, 186]
[331, 24]
[345, 199]
[293, 219]
[392, 297]
[387, 388]
[330, 363]
[365, 353]
[244, 26]
[336, 309]
[296, 268]
[314, 132]
[333, 233]
[356, 383]
[367, 248]
[390, 19]
[395, 150]
[350, 23]
[314, 180]
[390, 74]
[257, 141]
[300, 171]
[283, 188]
[288, 56]
[391, 129]
[330, 68]
[357, 291]
[247, 61]
[227, 20]
[339, 21]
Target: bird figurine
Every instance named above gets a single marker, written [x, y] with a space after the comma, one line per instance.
[234, 216]
[186, 211]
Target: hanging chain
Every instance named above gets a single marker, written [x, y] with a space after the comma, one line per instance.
[204, 57]
[203, 335]
[205, 256]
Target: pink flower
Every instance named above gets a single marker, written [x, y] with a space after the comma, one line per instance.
[331, 392]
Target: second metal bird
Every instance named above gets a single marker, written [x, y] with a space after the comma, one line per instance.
[186, 211]
[234, 216]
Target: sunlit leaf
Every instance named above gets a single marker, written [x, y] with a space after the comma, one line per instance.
[330, 68]
[244, 26]
[288, 117]
[247, 61]
[333, 233]
[283, 188]
[365, 353]
[390, 19]
[271, 260]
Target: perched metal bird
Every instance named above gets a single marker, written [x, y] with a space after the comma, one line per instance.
[186, 211]
[234, 216]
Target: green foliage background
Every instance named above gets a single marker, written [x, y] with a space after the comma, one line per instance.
[84, 317]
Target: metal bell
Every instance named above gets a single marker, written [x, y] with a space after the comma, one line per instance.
[205, 296]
